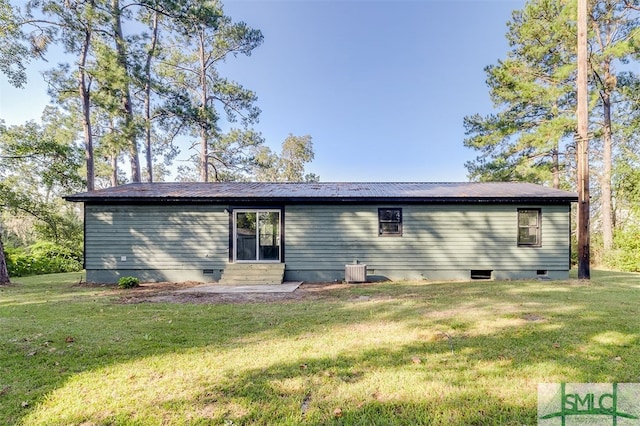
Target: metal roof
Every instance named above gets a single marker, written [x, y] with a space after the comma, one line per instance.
[463, 192]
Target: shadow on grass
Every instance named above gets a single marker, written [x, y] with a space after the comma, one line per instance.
[477, 376]
[272, 396]
[372, 401]
[521, 332]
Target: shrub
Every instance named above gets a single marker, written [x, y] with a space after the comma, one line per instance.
[19, 262]
[42, 258]
[626, 253]
[128, 282]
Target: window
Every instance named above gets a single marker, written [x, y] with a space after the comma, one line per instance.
[529, 227]
[390, 222]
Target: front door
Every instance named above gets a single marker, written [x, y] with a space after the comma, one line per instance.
[257, 235]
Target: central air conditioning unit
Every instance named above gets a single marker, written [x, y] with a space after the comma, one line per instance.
[355, 273]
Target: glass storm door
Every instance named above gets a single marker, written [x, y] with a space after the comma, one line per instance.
[257, 235]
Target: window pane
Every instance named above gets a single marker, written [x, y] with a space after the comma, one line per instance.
[528, 236]
[528, 218]
[269, 230]
[246, 236]
[392, 215]
[389, 228]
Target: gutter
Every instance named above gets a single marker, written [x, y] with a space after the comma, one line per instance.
[321, 200]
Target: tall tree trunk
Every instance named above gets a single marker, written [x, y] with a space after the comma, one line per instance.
[582, 149]
[204, 134]
[607, 210]
[556, 168]
[147, 96]
[127, 105]
[114, 169]
[85, 98]
[555, 157]
[4, 273]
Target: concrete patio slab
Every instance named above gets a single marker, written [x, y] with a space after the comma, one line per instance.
[286, 287]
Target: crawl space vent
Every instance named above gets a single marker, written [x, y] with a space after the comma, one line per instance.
[481, 274]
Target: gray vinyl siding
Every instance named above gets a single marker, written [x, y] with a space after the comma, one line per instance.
[160, 242]
[438, 241]
[177, 242]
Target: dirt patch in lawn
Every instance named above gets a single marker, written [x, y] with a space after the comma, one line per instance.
[166, 292]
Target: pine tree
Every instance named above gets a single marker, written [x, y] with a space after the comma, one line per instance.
[532, 88]
[614, 34]
[531, 136]
[200, 39]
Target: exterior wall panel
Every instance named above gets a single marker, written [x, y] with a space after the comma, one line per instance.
[438, 242]
[156, 242]
[175, 242]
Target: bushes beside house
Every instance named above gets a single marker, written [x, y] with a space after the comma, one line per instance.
[42, 258]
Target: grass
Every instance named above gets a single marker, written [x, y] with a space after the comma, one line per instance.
[391, 353]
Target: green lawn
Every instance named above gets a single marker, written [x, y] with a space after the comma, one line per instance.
[391, 353]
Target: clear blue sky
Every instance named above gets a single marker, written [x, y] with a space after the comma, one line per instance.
[381, 86]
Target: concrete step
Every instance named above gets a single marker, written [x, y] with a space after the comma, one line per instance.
[252, 274]
[256, 282]
[255, 267]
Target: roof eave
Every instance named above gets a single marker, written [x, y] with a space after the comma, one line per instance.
[321, 200]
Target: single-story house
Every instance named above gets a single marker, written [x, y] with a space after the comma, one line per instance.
[311, 231]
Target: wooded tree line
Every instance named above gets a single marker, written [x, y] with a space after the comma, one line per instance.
[138, 74]
[531, 136]
[129, 78]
